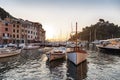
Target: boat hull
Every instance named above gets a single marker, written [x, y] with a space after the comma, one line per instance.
[109, 49]
[54, 56]
[76, 57]
[13, 53]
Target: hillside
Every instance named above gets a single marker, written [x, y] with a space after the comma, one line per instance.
[4, 14]
[99, 31]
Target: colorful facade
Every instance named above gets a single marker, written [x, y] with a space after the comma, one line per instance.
[5, 31]
[20, 31]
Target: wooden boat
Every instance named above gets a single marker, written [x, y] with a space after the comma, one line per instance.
[76, 53]
[9, 52]
[56, 53]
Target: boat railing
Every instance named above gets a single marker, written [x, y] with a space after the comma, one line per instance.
[76, 49]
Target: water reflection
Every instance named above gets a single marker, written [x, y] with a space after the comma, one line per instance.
[78, 72]
[110, 52]
[31, 54]
[8, 63]
[57, 69]
[103, 66]
[32, 65]
[55, 63]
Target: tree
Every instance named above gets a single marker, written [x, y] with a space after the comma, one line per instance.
[101, 30]
[101, 20]
[4, 14]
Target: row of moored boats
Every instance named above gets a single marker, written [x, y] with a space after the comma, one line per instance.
[74, 54]
[12, 49]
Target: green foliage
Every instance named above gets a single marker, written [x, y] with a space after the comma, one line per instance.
[99, 31]
[4, 14]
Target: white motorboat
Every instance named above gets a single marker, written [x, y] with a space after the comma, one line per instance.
[31, 47]
[110, 45]
[76, 54]
[56, 53]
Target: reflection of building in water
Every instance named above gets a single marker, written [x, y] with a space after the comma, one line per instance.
[77, 72]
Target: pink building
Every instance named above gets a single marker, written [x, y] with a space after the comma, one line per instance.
[5, 31]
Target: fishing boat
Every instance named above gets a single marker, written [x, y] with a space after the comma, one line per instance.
[76, 54]
[56, 53]
[5, 52]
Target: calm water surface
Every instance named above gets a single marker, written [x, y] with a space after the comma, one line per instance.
[33, 65]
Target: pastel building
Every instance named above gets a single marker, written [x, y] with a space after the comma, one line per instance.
[16, 31]
[5, 31]
[40, 34]
[20, 31]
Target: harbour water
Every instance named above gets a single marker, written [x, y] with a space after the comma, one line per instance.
[33, 65]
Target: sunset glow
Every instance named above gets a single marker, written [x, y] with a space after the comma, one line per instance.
[50, 32]
[56, 15]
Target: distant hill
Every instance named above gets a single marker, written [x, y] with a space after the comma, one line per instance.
[99, 31]
[4, 14]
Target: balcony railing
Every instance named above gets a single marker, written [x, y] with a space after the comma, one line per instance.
[6, 37]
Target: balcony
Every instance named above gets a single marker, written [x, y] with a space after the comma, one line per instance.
[6, 37]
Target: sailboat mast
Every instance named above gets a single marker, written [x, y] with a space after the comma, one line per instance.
[95, 35]
[76, 34]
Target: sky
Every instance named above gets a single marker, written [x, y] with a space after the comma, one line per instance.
[58, 17]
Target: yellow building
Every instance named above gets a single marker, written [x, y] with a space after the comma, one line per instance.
[16, 31]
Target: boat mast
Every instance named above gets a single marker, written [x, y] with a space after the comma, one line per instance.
[76, 34]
